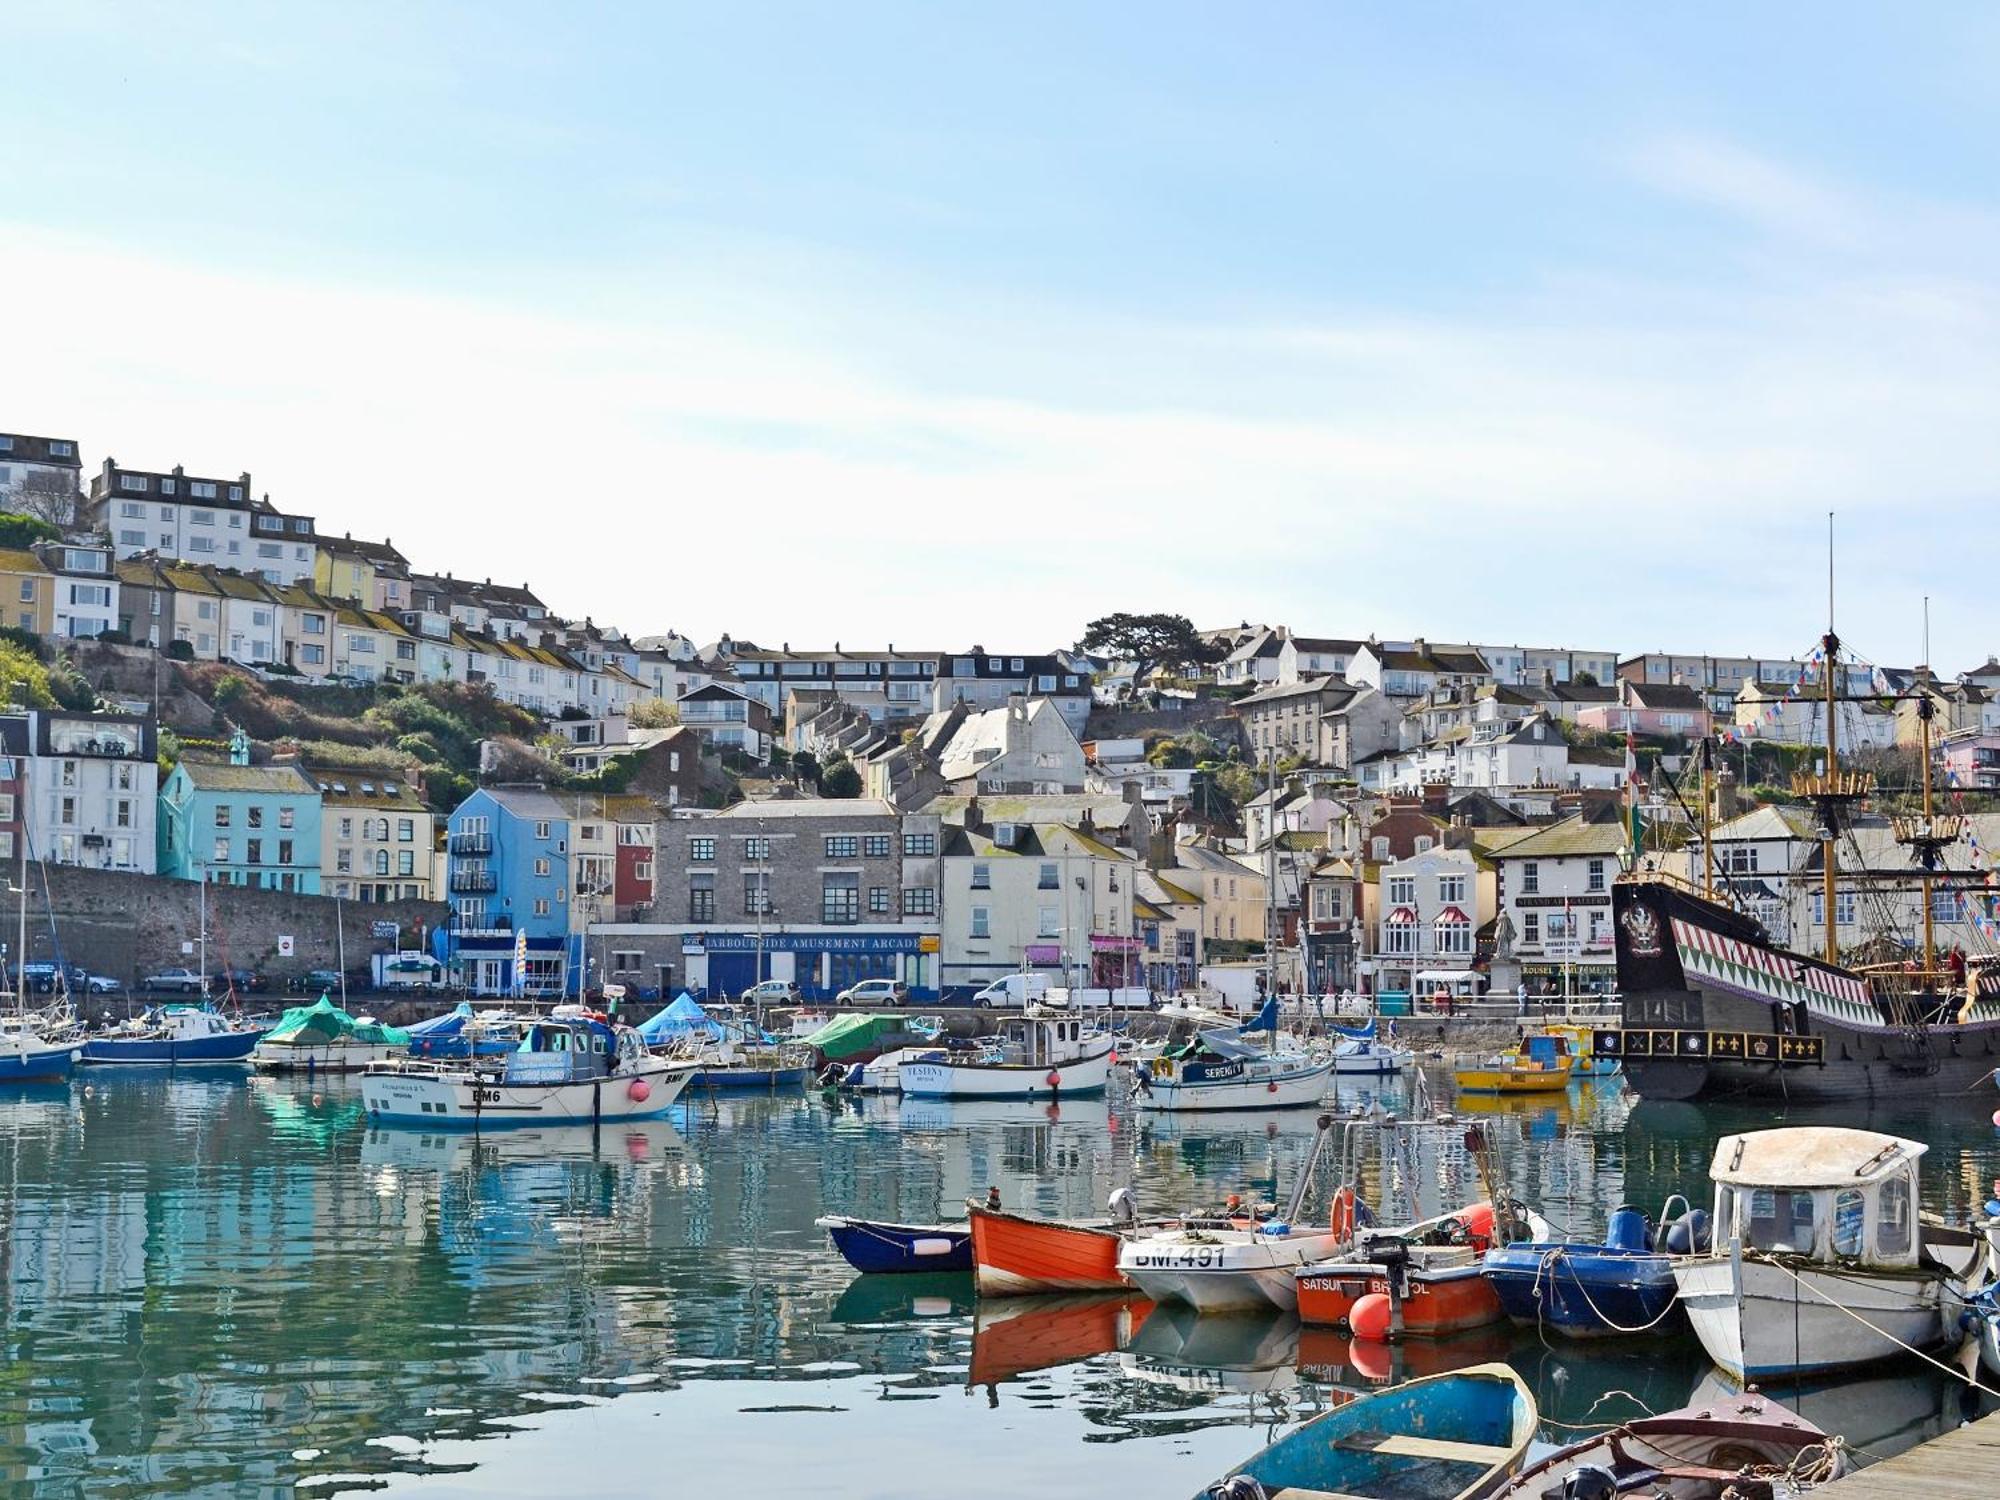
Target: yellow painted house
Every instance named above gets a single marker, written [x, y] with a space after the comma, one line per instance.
[27, 591]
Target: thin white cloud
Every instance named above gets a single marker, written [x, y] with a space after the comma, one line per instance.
[1742, 182]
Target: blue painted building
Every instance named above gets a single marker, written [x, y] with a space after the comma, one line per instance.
[508, 878]
[233, 823]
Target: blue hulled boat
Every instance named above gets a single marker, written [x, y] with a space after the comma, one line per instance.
[873, 1246]
[461, 1033]
[1445, 1437]
[1622, 1286]
[28, 1055]
[174, 1034]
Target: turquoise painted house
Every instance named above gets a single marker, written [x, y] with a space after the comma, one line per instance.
[239, 824]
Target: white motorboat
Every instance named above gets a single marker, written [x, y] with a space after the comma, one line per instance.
[567, 1071]
[1365, 1057]
[883, 1075]
[1226, 1270]
[1820, 1261]
[1223, 1071]
[323, 1038]
[1041, 1055]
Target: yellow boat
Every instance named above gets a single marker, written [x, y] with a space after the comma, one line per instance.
[1583, 1059]
[1541, 1065]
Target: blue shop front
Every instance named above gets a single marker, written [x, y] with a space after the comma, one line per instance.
[821, 963]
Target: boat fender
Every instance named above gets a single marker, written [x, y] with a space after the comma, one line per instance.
[1274, 1227]
[638, 1091]
[1271, 1087]
[1589, 1482]
[1054, 1080]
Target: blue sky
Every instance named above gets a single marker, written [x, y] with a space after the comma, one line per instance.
[1551, 324]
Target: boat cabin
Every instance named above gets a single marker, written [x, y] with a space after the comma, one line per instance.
[569, 1051]
[1041, 1040]
[1819, 1192]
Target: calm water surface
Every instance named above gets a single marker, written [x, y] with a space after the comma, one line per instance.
[219, 1285]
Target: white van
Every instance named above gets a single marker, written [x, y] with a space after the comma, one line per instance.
[1016, 990]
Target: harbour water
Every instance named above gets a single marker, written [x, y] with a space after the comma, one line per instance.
[219, 1285]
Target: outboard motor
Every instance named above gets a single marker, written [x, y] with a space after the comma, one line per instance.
[1689, 1234]
[1627, 1229]
[1237, 1487]
[1124, 1208]
[1589, 1482]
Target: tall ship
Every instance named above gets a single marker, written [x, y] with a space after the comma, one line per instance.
[1712, 1007]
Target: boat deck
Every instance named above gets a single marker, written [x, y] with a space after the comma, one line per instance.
[1964, 1464]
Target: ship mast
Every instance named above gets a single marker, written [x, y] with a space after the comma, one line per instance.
[1707, 820]
[1831, 791]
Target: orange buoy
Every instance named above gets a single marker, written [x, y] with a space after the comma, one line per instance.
[1369, 1317]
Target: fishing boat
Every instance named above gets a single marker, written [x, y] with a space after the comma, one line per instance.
[1444, 1437]
[1222, 1070]
[566, 1070]
[1982, 1324]
[1044, 1054]
[462, 1032]
[876, 1247]
[1819, 1260]
[1359, 1056]
[884, 1074]
[174, 1034]
[1744, 1446]
[33, 1053]
[1581, 1044]
[1540, 1065]
[323, 1038]
[1236, 1267]
[1624, 1285]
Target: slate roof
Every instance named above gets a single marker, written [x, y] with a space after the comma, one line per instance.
[1573, 837]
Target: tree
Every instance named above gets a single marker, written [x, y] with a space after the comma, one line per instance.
[19, 530]
[25, 679]
[1584, 679]
[805, 767]
[840, 779]
[1164, 639]
[46, 497]
[653, 713]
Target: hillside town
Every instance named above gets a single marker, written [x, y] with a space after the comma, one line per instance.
[207, 686]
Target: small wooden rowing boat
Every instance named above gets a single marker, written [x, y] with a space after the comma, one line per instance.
[1445, 1437]
[1016, 1255]
[876, 1247]
[1745, 1446]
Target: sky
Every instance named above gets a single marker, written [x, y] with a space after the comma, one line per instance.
[942, 325]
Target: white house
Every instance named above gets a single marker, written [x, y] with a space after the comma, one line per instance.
[1303, 656]
[41, 466]
[91, 788]
[1555, 894]
[1021, 747]
[1041, 896]
[179, 515]
[1428, 917]
[86, 587]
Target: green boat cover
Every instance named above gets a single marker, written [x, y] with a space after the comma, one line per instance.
[844, 1036]
[325, 1023]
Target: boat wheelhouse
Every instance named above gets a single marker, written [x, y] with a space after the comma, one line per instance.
[1818, 1259]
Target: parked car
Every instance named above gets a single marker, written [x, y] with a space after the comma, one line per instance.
[243, 981]
[104, 984]
[181, 981]
[772, 992]
[875, 992]
[316, 981]
[41, 977]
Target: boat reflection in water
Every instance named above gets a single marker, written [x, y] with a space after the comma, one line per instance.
[1209, 1356]
[1019, 1336]
[452, 1150]
[894, 1300]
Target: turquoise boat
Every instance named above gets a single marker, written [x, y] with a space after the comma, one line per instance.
[1445, 1437]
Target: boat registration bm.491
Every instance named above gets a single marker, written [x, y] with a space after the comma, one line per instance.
[1193, 1258]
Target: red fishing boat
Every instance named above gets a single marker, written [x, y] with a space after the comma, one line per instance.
[1437, 1263]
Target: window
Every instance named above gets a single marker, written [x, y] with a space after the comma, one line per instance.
[1892, 1219]
[122, 813]
[842, 846]
[542, 831]
[1849, 1238]
[406, 830]
[1740, 859]
[343, 861]
[284, 851]
[701, 897]
[1531, 928]
[756, 893]
[542, 868]
[1378, 849]
[1451, 890]
[1531, 878]
[381, 860]
[1947, 906]
[919, 845]
[878, 900]
[877, 846]
[919, 901]
[253, 851]
[1780, 1219]
[1399, 938]
[979, 927]
[132, 483]
[313, 655]
[201, 544]
[1596, 883]
[202, 489]
[27, 591]
[201, 517]
[131, 538]
[982, 876]
[1048, 921]
[67, 812]
[541, 906]
[758, 848]
[701, 850]
[1454, 936]
[222, 815]
[222, 851]
[840, 898]
[1402, 890]
[253, 817]
[313, 624]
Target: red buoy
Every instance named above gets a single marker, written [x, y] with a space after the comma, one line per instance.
[639, 1091]
[1369, 1317]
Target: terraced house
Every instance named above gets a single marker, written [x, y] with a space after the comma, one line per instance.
[234, 823]
[27, 591]
[376, 836]
[187, 518]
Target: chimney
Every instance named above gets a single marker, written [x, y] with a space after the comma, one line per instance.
[974, 817]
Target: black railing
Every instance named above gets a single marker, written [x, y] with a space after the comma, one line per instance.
[474, 882]
[471, 843]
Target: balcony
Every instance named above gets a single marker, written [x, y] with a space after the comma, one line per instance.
[474, 882]
[470, 843]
